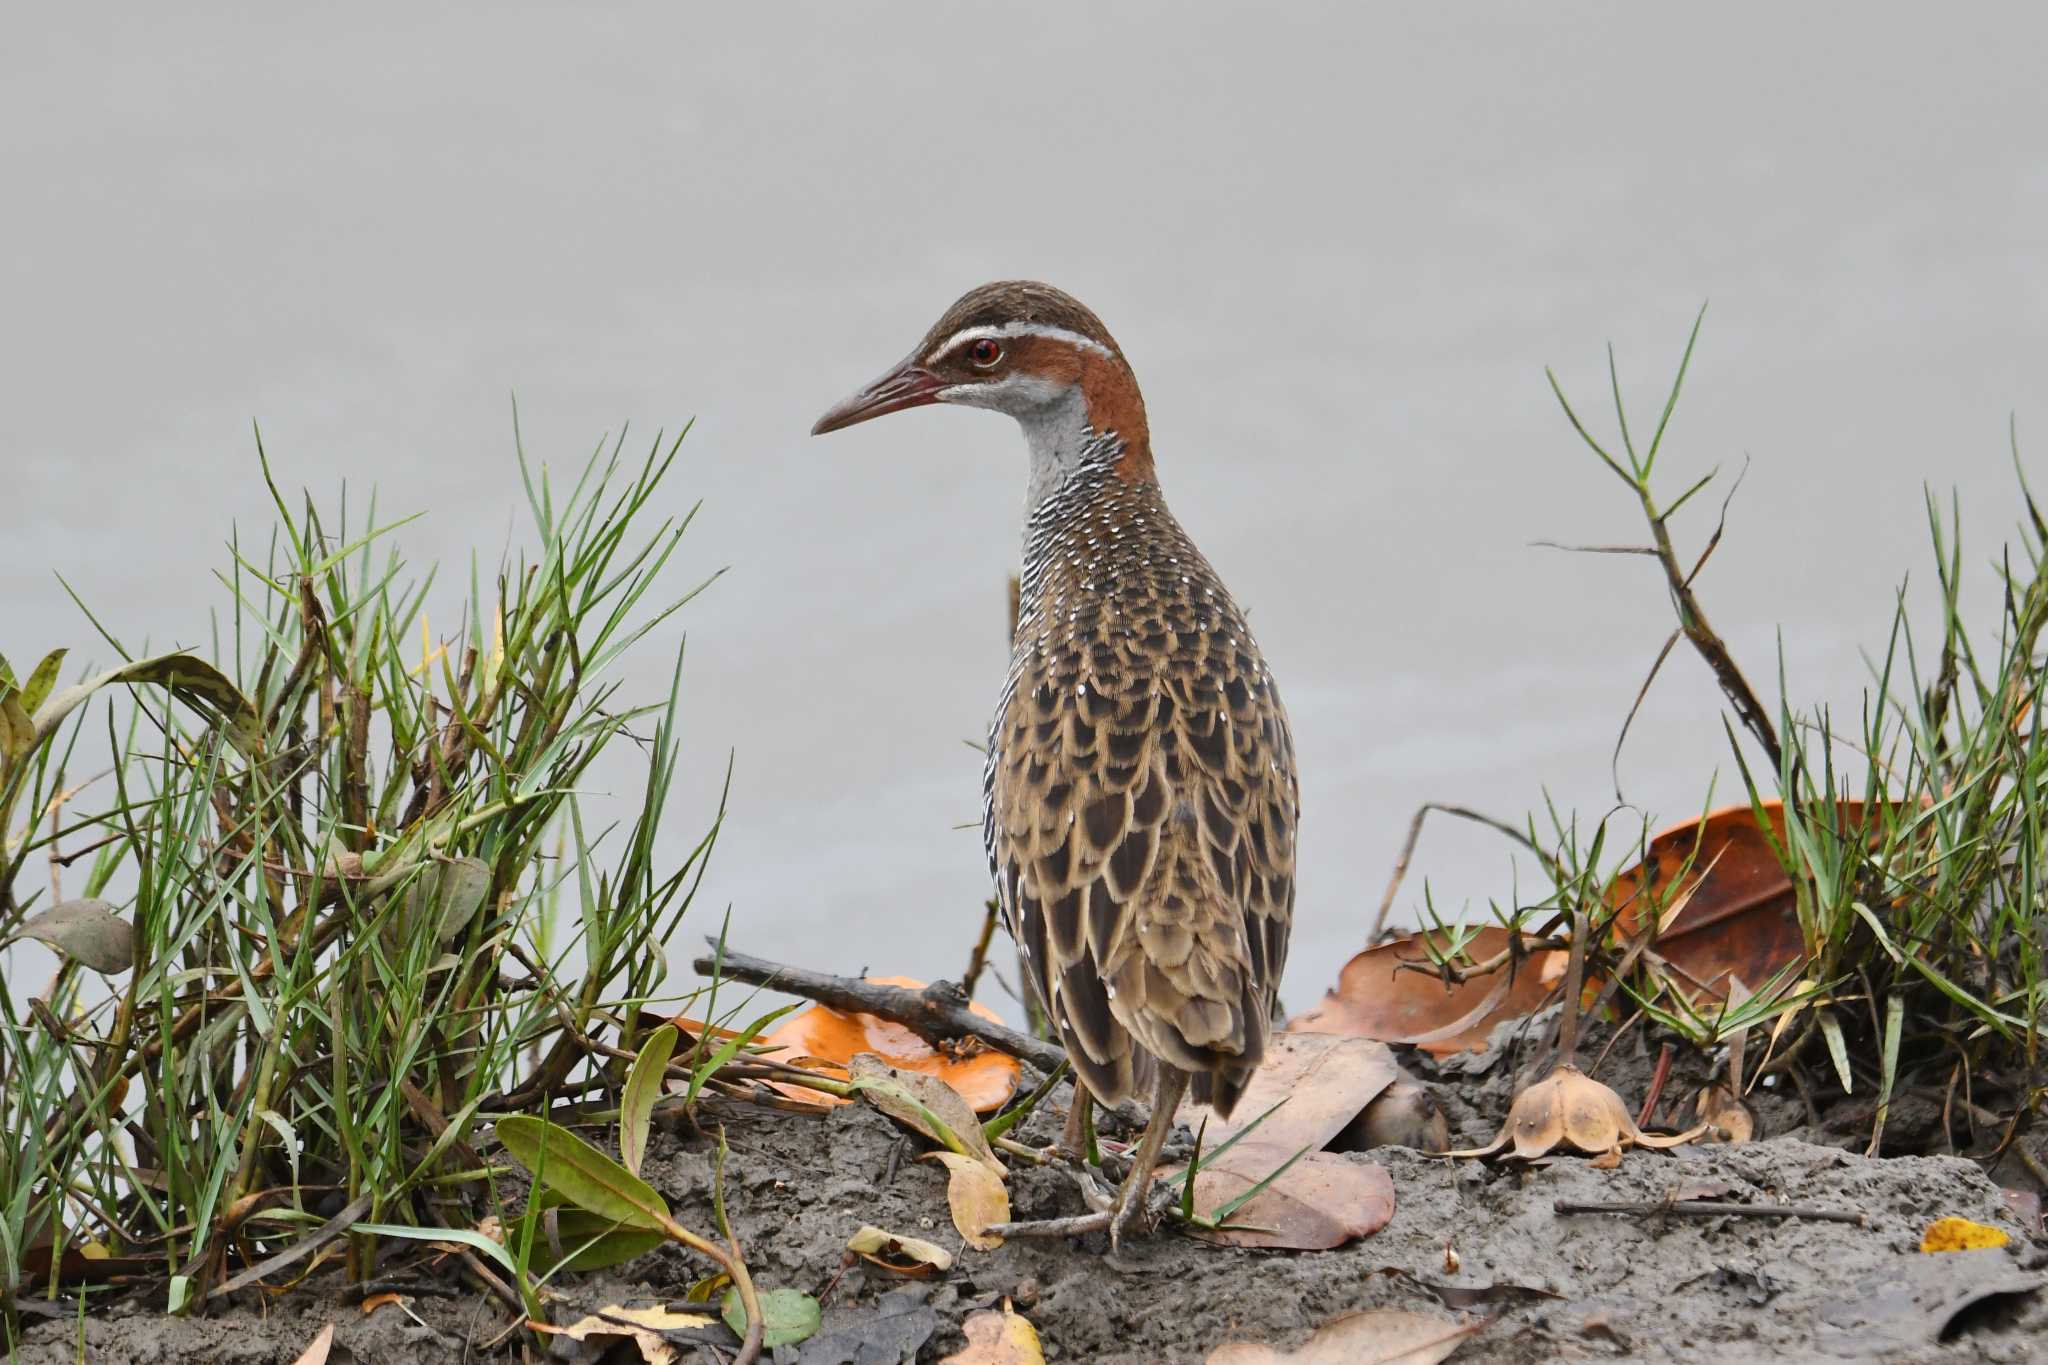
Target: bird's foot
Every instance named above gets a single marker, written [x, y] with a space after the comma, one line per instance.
[1131, 1214]
[1093, 1194]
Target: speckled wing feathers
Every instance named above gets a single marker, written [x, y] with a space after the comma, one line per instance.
[1142, 800]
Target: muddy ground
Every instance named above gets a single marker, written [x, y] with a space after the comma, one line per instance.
[1626, 1288]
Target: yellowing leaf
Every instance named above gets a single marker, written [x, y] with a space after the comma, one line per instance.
[643, 1088]
[1960, 1234]
[977, 1198]
[643, 1326]
[993, 1338]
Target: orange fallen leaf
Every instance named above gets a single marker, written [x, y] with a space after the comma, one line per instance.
[823, 1039]
[376, 1301]
[1376, 997]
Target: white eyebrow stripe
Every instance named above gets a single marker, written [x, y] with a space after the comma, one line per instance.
[1016, 329]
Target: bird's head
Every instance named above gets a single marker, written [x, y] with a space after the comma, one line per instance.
[1018, 347]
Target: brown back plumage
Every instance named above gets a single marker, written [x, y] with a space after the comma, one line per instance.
[1141, 792]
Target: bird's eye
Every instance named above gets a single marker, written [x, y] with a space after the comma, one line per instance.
[985, 352]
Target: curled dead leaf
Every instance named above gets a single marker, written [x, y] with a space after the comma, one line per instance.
[1570, 1110]
[1377, 997]
[977, 1197]
[1322, 1200]
[912, 1257]
[1378, 1336]
[926, 1103]
[998, 1338]
[827, 1041]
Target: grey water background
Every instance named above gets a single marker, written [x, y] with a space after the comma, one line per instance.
[1339, 244]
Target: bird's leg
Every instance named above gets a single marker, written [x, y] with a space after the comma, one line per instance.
[1074, 1138]
[1130, 1200]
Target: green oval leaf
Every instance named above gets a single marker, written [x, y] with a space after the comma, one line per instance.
[587, 1241]
[643, 1088]
[41, 681]
[788, 1315]
[585, 1176]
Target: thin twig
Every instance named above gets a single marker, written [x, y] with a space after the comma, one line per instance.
[978, 959]
[1379, 921]
[1709, 1208]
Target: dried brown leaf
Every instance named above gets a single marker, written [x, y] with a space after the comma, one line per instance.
[642, 1326]
[1378, 997]
[1321, 1201]
[1726, 1117]
[926, 1103]
[1326, 1080]
[1378, 1336]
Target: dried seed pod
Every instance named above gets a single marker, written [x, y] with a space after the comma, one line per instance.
[1726, 1117]
[1569, 1109]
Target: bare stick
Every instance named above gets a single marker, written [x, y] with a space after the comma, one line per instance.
[938, 1013]
[978, 959]
[1379, 921]
[1707, 1208]
[1078, 1225]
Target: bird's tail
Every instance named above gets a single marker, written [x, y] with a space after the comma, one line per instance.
[1223, 1084]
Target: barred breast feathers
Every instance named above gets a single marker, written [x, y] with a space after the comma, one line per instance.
[1140, 794]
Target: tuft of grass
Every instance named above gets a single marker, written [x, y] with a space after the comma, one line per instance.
[1915, 838]
[334, 905]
